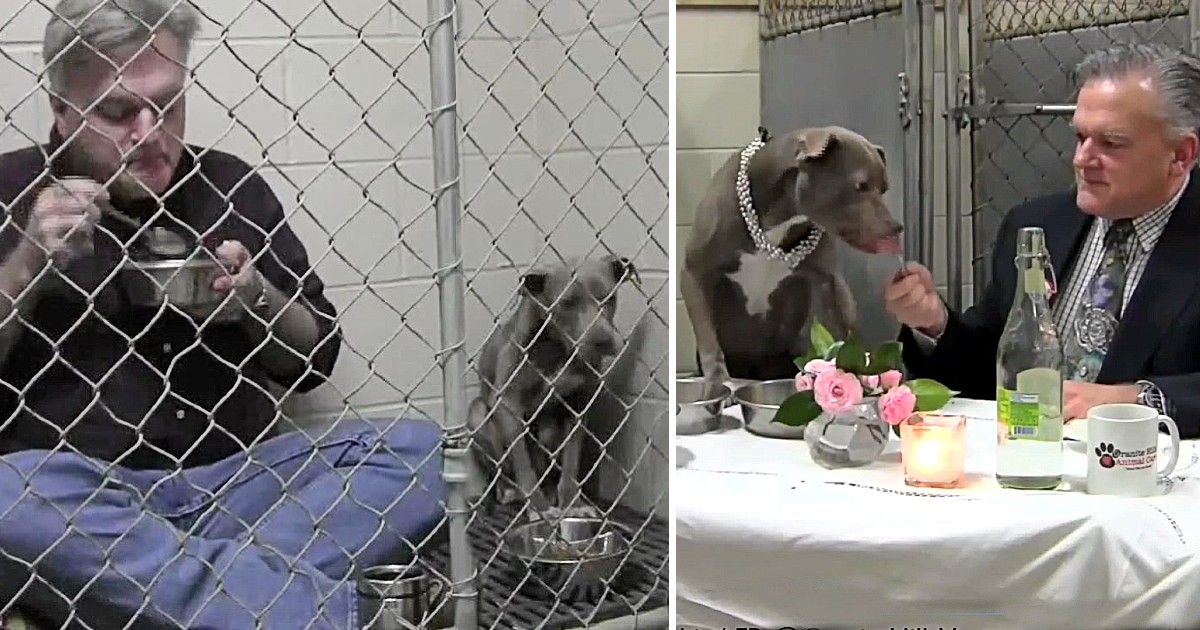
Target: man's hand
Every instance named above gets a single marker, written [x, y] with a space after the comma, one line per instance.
[64, 217]
[288, 328]
[913, 300]
[239, 277]
[1079, 397]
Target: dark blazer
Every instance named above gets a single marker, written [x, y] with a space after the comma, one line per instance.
[1158, 337]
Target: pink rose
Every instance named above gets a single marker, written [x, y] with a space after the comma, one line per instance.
[870, 381]
[819, 366]
[897, 404]
[837, 391]
[890, 379]
[804, 382]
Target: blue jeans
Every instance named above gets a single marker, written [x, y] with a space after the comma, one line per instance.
[270, 536]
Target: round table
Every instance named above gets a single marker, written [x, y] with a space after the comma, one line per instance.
[766, 538]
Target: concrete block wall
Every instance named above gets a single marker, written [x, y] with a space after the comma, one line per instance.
[564, 153]
[717, 100]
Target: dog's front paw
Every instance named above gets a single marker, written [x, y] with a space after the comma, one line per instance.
[509, 496]
[583, 511]
[714, 383]
[550, 514]
[556, 513]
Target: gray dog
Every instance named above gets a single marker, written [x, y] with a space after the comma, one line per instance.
[761, 264]
[538, 374]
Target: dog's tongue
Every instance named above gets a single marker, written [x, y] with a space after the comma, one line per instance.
[888, 245]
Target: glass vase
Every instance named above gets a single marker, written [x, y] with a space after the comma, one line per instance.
[851, 438]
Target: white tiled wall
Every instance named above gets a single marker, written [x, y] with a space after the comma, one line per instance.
[717, 96]
[564, 153]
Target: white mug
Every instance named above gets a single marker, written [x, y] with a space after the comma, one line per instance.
[1122, 449]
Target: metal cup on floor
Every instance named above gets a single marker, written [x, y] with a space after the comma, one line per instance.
[403, 597]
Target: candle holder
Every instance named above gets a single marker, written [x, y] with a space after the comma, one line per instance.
[933, 449]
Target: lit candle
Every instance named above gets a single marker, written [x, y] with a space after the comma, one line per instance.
[932, 449]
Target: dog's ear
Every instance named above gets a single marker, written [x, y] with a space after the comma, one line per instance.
[534, 282]
[621, 268]
[789, 154]
[814, 143]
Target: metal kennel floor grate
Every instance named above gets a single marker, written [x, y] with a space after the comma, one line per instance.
[509, 599]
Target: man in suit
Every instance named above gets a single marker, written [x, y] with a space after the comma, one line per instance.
[1131, 224]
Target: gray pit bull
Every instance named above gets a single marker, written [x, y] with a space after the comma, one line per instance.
[751, 312]
[538, 373]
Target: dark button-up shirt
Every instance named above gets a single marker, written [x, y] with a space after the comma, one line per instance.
[151, 388]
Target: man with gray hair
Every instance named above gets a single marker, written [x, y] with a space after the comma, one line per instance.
[144, 482]
[1124, 243]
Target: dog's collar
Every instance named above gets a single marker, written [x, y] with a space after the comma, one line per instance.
[797, 254]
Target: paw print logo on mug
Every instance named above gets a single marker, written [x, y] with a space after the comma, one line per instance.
[1105, 452]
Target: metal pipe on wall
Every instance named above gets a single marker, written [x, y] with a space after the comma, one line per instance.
[926, 122]
[1194, 25]
[975, 18]
[954, 248]
[910, 12]
[443, 56]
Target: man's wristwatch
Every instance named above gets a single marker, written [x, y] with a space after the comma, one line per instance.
[1150, 395]
[259, 305]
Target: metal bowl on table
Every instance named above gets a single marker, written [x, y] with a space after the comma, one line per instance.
[760, 401]
[698, 405]
[571, 558]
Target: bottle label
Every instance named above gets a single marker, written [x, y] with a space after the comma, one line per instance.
[1019, 413]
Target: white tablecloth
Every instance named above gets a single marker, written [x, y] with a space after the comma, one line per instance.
[766, 538]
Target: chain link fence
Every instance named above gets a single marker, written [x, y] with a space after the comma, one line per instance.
[784, 17]
[466, 199]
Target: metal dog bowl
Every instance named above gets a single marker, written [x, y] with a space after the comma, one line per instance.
[760, 401]
[698, 405]
[572, 558]
[182, 282]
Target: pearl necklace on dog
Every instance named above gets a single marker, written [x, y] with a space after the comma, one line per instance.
[802, 249]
